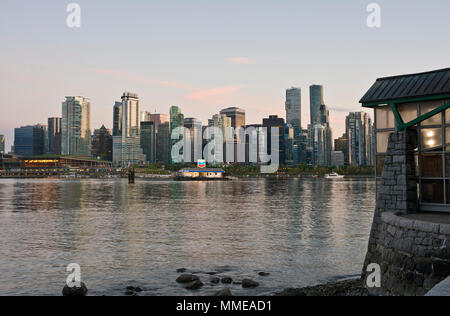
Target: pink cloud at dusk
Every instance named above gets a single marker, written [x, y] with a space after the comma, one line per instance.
[241, 61]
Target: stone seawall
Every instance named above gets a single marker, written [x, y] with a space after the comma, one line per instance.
[414, 256]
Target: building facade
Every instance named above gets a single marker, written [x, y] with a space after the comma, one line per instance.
[29, 141]
[102, 144]
[117, 119]
[316, 97]
[148, 141]
[54, 136]
[237, 117]
[127, 146]
[294, 109]
[2, 144]
[194, 129]
[359, 137]
[273, 121]
[163, 143]
[76, 126]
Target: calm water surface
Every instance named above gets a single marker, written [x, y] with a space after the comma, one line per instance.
[301, 231]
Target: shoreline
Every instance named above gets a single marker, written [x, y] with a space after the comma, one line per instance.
[353, 287]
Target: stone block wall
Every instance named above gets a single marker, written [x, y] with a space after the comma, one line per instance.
[413, 255]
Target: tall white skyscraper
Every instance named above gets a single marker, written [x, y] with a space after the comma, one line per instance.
[127, 146]
[76, 126]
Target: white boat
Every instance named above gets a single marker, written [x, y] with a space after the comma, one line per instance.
[333, 175]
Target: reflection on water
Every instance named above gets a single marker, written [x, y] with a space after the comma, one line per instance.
[301, 231]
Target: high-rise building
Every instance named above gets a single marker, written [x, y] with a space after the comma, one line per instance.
[340, 144]
[102, 144]
[117, 119]
[127, 146]
[163, 143]
[148, 141]
[316, 100]
[294, 109]
[54, 136]
[222, 122]
[76, 126]
[2, 144]
[29, 140]
[337, 158]
[145, 116]
[237, 116]
[158, 119]
[359, 132]
[276, 122]
[176, 121]
[194, 127]
[289, 144]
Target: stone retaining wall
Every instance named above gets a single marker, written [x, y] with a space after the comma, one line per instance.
[413, 255]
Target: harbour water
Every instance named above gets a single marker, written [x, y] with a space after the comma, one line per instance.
[301, 231]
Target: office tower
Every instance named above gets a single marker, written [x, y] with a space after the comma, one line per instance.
[194, 127]
[127, 146]
[294, 109]
[289, 144]
[340, 144]
[176, 121]
[148, 141]
[316, 100]
[319, 145]
[54, 136]
[76, 126]
[222, 122]
[277, 122]
[300, 147]
[145, 116]
[163, 143]
[158, 119]
[117, 119]
[29, 140]
[337, 158]
[237, 116]
[359, 132]
[102, 144]
[2, 144]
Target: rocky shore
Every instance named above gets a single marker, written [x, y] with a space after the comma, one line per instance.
[193, 282]
[344, 288]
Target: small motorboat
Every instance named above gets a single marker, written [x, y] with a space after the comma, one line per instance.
[334, 175]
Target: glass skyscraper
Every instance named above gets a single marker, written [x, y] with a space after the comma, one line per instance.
[316, 100]
[294, 109]
[29, 140]
[54, 135]
[148, 141]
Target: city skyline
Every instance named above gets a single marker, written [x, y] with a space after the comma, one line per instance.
[198, 61]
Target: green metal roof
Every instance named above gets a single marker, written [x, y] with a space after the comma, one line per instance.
[404, 88]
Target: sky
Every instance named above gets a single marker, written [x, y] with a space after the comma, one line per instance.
[207, 55]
